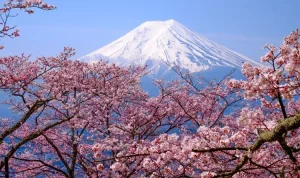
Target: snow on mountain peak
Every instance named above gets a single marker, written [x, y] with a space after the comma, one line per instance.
[158, 42]
[158, 24]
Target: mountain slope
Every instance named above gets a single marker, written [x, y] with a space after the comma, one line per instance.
[157, 42]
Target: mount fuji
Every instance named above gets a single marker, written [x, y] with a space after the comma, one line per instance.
[155, 43]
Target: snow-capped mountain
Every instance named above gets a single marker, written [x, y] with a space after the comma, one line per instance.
[156, 42]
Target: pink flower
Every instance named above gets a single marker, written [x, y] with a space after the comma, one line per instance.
[116, 166]
[100, 167]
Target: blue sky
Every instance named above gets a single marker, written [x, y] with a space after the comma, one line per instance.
[243, 26]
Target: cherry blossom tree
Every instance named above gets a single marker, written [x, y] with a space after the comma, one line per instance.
[60, 102]
[197, 134]
[153, 146]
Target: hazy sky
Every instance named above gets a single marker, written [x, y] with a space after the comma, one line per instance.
[241, 25]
